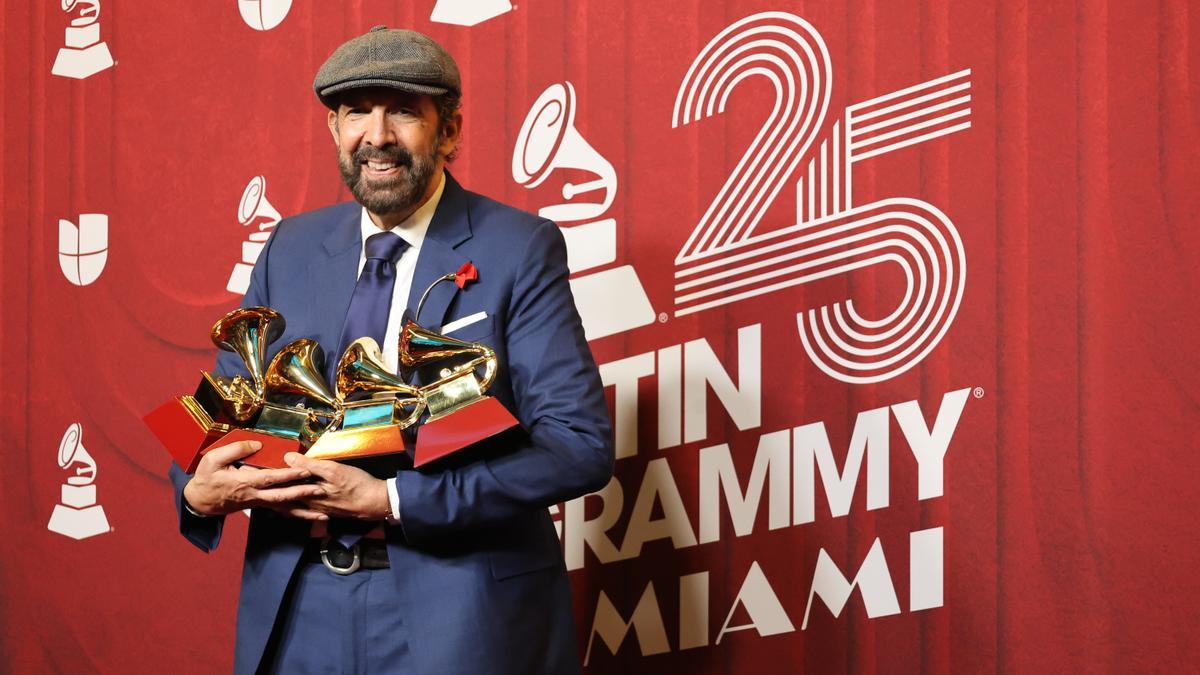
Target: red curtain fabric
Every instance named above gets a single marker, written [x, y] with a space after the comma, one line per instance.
[1068, 484]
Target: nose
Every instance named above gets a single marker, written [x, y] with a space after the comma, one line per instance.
[378, 132]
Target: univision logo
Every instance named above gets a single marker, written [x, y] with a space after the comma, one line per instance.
[84, 54]
[264, 14]
[83, 250]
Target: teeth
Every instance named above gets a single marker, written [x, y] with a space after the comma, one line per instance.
[380, 166]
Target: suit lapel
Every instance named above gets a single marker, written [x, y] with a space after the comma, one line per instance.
[333, 277]
[450, 227]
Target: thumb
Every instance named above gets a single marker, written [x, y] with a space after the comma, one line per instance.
[228, 454]
[317, 467]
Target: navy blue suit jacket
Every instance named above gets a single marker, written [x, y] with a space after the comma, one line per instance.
[477, 561]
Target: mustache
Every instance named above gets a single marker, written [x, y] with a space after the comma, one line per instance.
[394, 154]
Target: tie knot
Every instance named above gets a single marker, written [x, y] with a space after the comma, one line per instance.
[385, 246]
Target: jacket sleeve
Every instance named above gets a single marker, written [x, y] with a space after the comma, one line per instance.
[559, 398]
[205, 532]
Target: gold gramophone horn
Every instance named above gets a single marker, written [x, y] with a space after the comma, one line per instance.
[247, 332]
[362, 371]
[296, 369]
[419, 346]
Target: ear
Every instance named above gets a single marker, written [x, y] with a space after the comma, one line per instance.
[451, 134]
[333, 126]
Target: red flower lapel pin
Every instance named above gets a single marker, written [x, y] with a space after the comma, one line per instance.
[466, 274]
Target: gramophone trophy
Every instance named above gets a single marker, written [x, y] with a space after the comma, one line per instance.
[460, 413]
[261, 408]
[375, 405]
[286, 405]
[284, 423]
[187, 425]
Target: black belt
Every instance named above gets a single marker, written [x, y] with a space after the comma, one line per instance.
[367, 554]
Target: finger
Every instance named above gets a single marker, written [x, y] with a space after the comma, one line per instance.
[301, 512]
[319, 467]
[329, 509]
[293, 493]
[266, 478]
[228, 454]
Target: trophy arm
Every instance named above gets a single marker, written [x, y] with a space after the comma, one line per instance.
[316, 426]
[486, 358]
[490, 366]
[419, 405]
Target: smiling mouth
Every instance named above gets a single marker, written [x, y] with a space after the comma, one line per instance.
[380, 169]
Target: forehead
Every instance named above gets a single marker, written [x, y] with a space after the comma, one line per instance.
[369, 97]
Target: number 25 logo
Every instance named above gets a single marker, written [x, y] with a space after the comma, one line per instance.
[726, 260]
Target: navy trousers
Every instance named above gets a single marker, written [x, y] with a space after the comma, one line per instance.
[332, 624]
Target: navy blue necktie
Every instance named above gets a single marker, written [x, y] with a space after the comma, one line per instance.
[372, 299]
[368, 317]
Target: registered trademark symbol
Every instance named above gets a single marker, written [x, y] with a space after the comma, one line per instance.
[978, 392]
[662, 317]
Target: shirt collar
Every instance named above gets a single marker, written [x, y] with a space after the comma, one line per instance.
[413, 228]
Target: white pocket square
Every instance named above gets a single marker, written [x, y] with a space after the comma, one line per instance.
[463, 322]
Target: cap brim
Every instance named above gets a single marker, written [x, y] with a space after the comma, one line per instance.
[328, 95]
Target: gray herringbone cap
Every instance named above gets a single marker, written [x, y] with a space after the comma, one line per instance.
[396, 58]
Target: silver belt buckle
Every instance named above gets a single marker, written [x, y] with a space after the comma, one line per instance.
[354, 564]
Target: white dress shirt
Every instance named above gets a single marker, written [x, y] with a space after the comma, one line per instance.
[411, 230]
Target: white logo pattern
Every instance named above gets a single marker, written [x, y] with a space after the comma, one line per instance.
[253, 208]
[78, 516]
[468, 12]
[84, 54]
[609, 300]
[83, 250]
[264, 14]
[725, 260]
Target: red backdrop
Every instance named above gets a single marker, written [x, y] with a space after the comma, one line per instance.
[1067, 497]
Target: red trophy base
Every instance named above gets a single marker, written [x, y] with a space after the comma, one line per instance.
[273, 448]
[465, 426]
[185, 435]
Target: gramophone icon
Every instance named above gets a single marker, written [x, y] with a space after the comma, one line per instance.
[253, 207]
[84, 54]
[610, 300]
[78, 515]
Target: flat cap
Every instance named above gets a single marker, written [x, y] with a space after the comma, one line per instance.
[383, 57]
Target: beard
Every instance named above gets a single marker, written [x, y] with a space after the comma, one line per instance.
[393, 194]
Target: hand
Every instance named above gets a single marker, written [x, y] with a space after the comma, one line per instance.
[218, 487]
[346, 491]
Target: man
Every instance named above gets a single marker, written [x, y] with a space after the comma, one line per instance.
[463, 572]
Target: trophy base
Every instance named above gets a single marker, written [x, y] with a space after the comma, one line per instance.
[362, 442]
[82, 63]
[466, 426]
[78, 523]
[182, 432]
[270, 456]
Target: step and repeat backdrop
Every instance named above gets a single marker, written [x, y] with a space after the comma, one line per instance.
[895, 304]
